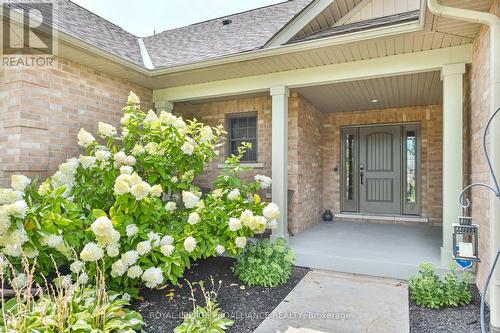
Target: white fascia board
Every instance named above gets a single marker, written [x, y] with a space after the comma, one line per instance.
[299, 22]
[365, 69]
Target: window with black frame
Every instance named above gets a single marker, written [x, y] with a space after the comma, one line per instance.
[243, 128]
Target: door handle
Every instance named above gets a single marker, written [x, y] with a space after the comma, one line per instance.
[361, 172]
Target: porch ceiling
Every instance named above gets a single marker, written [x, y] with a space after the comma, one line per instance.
[390, 92]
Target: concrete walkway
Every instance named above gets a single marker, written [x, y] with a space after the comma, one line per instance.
[325, 302]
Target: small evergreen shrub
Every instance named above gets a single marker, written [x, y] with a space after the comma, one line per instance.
[428, 290]
[265, 264]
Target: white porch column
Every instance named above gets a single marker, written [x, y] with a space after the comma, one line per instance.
[280, 157]
[163, 106]
[452, 76]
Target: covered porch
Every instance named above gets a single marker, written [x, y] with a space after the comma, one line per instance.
[386, 250]
[323, 100]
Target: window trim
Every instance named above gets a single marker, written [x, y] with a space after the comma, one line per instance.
[249, 114]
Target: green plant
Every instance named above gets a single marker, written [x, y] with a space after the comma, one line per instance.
[208, 318]
[130, 201]
[428, 290]
[66, 306]
[265, 263]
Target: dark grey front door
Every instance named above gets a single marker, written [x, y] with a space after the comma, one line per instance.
[380, 170]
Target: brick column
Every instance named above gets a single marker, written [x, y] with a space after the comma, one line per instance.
[452, 76]
[280, 157]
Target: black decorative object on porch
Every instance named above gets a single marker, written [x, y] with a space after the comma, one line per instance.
[328, 216]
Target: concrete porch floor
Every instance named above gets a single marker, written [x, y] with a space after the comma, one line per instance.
[385, 250]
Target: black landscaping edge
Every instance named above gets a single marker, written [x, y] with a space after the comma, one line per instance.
[463, 319]
[162, 310]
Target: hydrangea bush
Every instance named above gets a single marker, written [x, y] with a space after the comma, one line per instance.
[130, 203]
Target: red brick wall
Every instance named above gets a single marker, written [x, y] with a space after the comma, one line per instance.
[42, 110]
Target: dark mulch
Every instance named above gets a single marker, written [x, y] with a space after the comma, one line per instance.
[463, 319]
[247, 306]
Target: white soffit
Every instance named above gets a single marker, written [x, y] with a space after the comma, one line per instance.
[379, 93]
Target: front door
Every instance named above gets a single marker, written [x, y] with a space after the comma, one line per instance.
[380, 170]
[379, 165]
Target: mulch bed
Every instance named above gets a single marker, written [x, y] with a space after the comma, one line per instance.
[162, 310]
[453, 320]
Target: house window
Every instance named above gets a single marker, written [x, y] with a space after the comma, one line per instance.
[243, 129]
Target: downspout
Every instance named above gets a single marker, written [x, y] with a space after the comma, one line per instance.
[493, 22]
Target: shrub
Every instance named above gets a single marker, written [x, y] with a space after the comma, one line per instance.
[265, 264]
[66, 307]
[130, 204]
[208, 318]
[428, 290]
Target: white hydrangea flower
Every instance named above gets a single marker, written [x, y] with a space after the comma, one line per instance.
[220, 249]
[206, 134]
[126, 170]
[174, 179]
[171, 206]
[167, 250]
[85, 139]
[8, 196]
[240, 242]
[125, 119]
[152, 277]
[118, 268]
[101, 226]
[19, 182]
[154, 238]
[134, 179]
[13, 249]
[69, 168]
[20, 281]
[189, 244]
[234, 224]
[4, 221]
[44, 188]
[31, 252]
[133, 99]
[193, 218]
[137, 150]
[18, 209]
[264, 181]
[130, 257]
[151, 117]
[102, 155]
[272, 211]
[152, 148]
[134, 272]
[190, 199]
[113, 250]
[156, 190]
[167, 240]
[130, 160]
[217, 193]
[125, 132]
[106, 130]
[131, 230]
[120, 157]
[83, 278]
[126, 297]
[63, 281]
[247, 218]
[121, 187]
[187, 148]
[140, 190]
[179, 123]
[91, 252]
[76, 267]
[87, 161]
[144, 247]
[234, 194]
[167, 118]
[112, 237]
[53, 241]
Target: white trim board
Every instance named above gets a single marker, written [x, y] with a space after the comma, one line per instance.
[365, 69]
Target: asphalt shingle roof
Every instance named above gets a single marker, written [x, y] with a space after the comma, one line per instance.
[247, 31]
